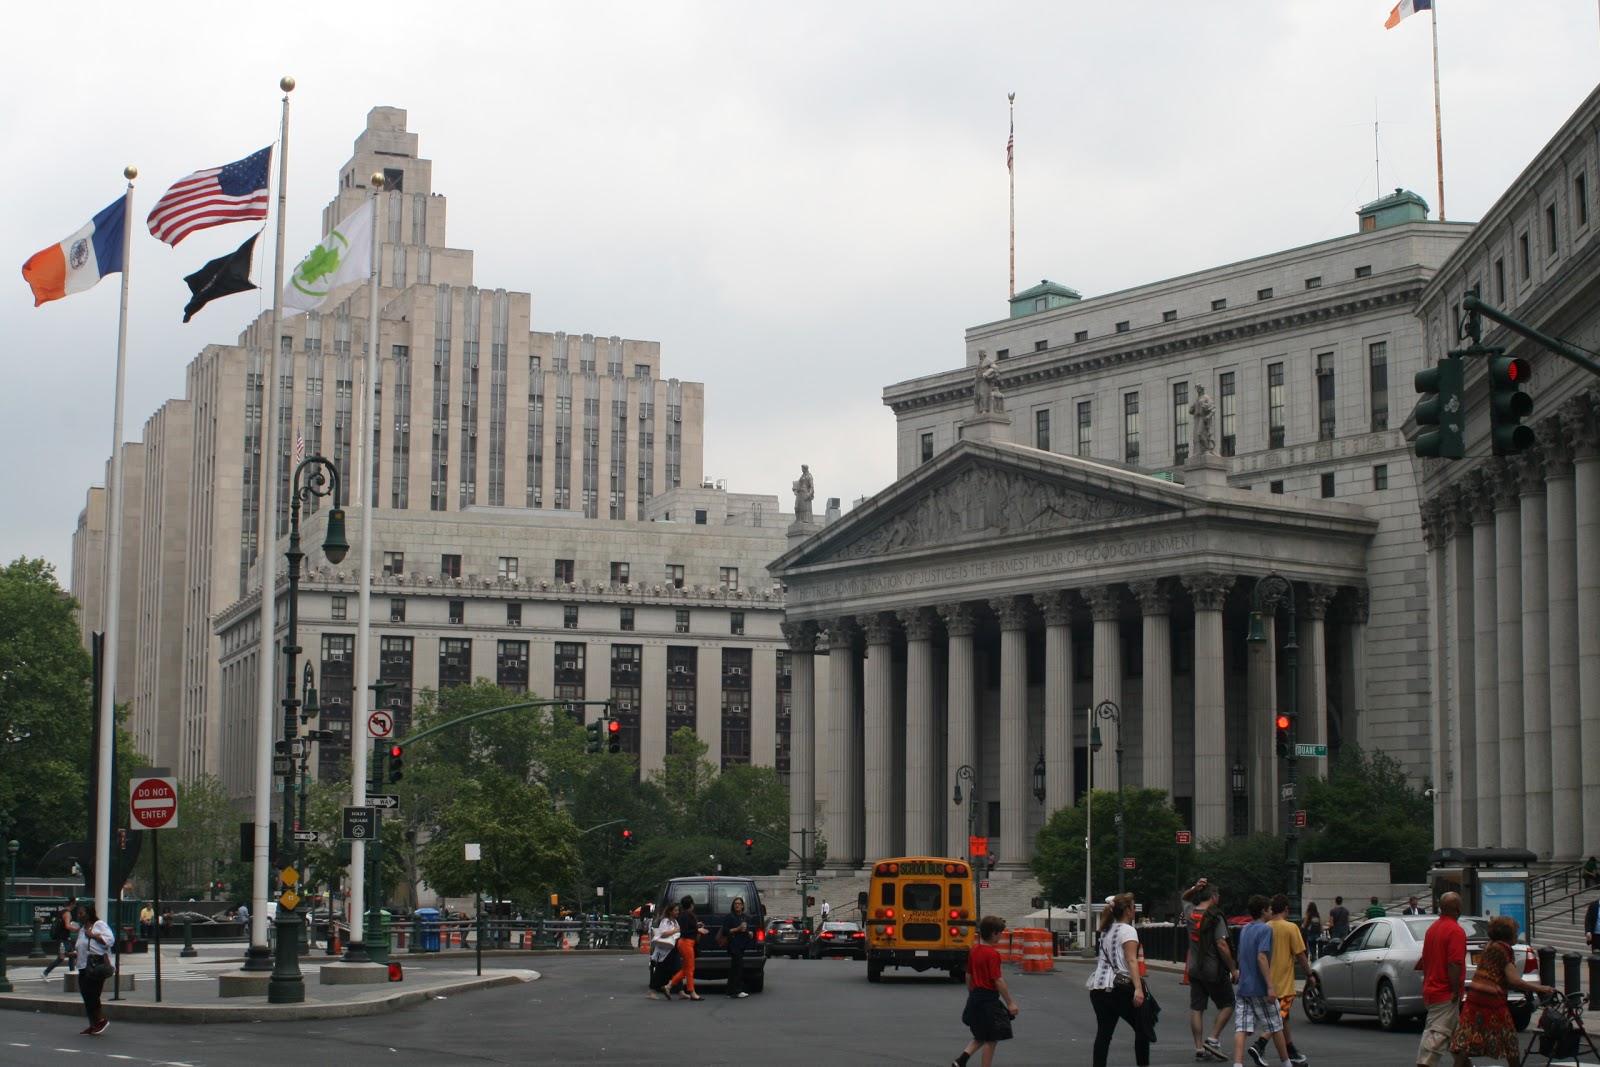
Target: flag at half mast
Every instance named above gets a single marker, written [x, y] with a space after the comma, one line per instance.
[344, 256]
[1404, 10]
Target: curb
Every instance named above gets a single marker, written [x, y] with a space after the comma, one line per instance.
[259, 1012]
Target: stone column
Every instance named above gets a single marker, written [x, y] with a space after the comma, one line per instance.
[1508, 649]
[1211, 789]
[845, 850]
[1561, 538]
[1535, 654]
[1313, 671]
[1435, 534]
[1016, 850]
[962, 724]
[1155, 603]
[1586, 473]
[878, 717]
[1261, 709]
[1105, 606]
[1485, 668]
[1352, 719]
[1463, 753]
[802, 639]
[922, 793]
[1059, 788]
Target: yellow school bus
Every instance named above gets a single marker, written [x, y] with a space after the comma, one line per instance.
[920, 914]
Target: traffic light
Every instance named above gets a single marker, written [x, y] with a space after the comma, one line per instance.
[1282, 725]
[280, 747]
[396, 763]
[614, 735]
[749, 846]
[1441, 413]
[596, 732]
[627, 839]
[1509, 405]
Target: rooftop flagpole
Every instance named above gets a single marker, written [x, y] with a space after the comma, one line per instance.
[1011, 171]
[1438, 127]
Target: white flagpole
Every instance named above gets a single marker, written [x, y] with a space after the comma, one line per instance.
[108, 663]
[266, 560]
[360, 743]
[1438, 127]
[1011, 170]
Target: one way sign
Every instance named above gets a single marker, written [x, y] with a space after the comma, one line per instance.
[383, 800]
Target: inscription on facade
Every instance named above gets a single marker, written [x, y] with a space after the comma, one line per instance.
[807, 591]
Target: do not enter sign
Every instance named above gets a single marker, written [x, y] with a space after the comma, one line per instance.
[153, 800]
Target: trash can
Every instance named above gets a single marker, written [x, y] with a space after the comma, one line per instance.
[430, 928]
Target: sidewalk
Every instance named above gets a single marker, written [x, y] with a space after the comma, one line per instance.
[189, 987]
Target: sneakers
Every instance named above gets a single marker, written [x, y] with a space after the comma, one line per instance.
[1211, 1050]
[86, 1030]
[1255, 1055]
[743, 995]
[100, 1027]
[1297, 1057]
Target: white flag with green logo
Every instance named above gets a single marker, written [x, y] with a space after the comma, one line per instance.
[344, 256]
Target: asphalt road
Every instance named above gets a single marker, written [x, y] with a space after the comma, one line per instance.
[593, 1010]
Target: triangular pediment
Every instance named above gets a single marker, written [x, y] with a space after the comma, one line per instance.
[989, 493]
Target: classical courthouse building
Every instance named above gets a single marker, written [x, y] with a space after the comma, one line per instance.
[514, 432]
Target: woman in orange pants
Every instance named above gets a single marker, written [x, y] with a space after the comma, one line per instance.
[689, 924]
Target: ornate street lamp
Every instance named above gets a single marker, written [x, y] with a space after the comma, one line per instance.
[1038, 778]
[1271, 592]
[1107, 709]
[321, 479]
[5, 927]
[965, 773]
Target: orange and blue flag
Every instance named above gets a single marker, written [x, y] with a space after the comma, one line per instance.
[79, 262]
[1405, 9]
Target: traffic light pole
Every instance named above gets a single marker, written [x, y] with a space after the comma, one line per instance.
[1474, 306]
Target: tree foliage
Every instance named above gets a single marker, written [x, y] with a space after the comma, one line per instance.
[1368, 809]
[1151, 839]
[1242, 866]
[197, 851]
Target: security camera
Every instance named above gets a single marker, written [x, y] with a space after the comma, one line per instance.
[1428, 792]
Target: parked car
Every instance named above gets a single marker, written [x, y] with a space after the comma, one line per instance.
[839, 939]
[1373, 971]
[786, 937]
[713, 903]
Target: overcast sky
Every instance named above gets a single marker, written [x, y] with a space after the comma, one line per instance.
[802, 205]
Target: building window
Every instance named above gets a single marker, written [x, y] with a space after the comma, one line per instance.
[1363, 272]
[619, 573]
[1228, 410]
[564, 570]
[458, 612]
[1327, 485]
[1378, 375]
[625, 620]
[397, 609]
[337, 609]
[1130, 427]
[927, 447]
[1041, 430]
[1380, 477]
[1002, 353]
[1085, 427]
[1180, 422]
[508, 568]
[1500, 279]
[1169, 316]
[450, 566]
[1041, 346]
[728, 578]
[569, 616]
[1326, 415]
[1314, 283]
[1552, 233]
[455, 662]
[394, 563]
[680, 622]
[675, 575]
[1580, 199]
[699, 516]
[1219, 304]
[736, 623]
[1122, 327]
[1275, 391]
[1525, 254]
[1081, 335]
[513, 614]
[1275, 487]
[1264, 294]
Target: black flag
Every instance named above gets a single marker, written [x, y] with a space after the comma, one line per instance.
[221, 277]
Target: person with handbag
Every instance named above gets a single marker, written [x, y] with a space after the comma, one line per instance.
[95, 965]
[664, 956]
[689, 933]
[989, 1008]
[1116, 988]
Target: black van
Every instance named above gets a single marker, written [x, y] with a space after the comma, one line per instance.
[713, 902]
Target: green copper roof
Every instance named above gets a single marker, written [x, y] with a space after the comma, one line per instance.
[1400, 206]
[1043, 297]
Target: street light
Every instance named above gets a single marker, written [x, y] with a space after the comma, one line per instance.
[309, 709]
[1038, 778]
[321, 480]
[5, 913]
[1107, 709]
[1270, 592]
[965, 773]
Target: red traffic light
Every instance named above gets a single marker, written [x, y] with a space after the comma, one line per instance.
[614, 726]
[396, 751]
[1518, 369]
[1283, 721]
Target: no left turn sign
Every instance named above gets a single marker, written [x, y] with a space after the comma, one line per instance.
[380, 724]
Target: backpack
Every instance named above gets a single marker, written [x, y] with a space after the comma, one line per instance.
[58, 929]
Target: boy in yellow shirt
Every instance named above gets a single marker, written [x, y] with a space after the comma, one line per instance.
[1288, 949]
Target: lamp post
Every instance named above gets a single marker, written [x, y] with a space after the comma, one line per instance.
[5, 905]
[965, 773]
[321, 479]
[310, 708]
[1271, 592]
[1038, 779]
[1107, 709]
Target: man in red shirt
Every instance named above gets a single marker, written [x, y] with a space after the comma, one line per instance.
[1444, 971]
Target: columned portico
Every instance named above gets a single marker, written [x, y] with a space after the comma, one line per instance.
[1211, 789]
[802, 640]
[962, 728]
[1012, 614]
[923, 779]
[1154, 605]
[878, 715]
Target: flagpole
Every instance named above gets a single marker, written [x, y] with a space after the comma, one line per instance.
[360, 744]
[104, 782]
[1438, 127]
[1011, 170]
[257, 957]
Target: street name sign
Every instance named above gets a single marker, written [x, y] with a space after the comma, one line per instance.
[1314, 751]
[383, 800]
[153, 799]
[305, 835]
[360, 824]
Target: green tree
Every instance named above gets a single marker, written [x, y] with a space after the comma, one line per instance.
[1368, 809]
[195, 852]
[1242, 866]
[1151, 839]
[528, 849]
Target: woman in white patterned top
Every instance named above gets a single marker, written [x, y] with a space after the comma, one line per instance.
[1116, 989]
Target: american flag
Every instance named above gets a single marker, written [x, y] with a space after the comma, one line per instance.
[299, 446]
[213, 197]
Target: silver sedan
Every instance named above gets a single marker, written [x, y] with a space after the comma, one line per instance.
[1373, 971]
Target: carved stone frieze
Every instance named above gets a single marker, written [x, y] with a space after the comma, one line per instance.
[1556, 446]
[1528, 469]
[1478, 497]
[879, 627]
[1580, 420]
[1500, 477]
